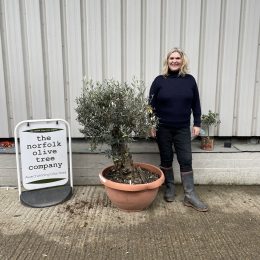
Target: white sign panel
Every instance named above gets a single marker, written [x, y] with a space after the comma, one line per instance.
[44, 155]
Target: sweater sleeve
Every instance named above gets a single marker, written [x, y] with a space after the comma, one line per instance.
[153, 94]
[196, 108]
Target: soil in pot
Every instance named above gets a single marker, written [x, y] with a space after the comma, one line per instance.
[138, 176]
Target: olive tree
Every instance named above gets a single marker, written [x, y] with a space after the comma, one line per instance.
[113, 113]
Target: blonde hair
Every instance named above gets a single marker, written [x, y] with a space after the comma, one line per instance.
[184, 68]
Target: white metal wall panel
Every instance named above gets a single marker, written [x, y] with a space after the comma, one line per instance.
[33, 59]
[53, 59]
[133, 40]
[113, 38]
[3, 105]
[247, 73]
[94, 40]
[15, 66]
[227, 58]
[191, 42]
[256, 115]
[48, 46]
[171, 27]
[152, 61]
[209, 54]
[74, 56]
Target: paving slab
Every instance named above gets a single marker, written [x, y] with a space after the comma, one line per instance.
[89, 227]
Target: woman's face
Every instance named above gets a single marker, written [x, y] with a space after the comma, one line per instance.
[175, 61]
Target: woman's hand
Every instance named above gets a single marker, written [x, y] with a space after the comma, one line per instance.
[195, 131]
[153, 132]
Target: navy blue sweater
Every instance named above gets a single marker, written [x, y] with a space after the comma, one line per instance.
[174, 98]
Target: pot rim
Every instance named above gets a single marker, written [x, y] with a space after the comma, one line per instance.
[134, 187]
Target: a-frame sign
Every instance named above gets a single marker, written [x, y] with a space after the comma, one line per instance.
[44, 162]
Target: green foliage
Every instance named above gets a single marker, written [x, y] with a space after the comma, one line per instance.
[113, 113]
[210, 119]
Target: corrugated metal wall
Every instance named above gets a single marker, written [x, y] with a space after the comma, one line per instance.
[46, 46]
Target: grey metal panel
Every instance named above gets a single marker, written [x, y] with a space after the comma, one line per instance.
[48, 46]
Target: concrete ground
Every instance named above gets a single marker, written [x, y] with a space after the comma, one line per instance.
[89, 227]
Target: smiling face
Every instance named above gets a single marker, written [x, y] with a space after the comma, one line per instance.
[175, 61]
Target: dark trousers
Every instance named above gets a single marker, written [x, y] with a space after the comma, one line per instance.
[181, 139]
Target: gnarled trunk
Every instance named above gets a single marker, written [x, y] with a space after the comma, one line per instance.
[121, 155]
[123, 162]
[122, 158]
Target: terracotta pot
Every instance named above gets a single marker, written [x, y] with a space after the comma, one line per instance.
[134, 197]
[207, 143]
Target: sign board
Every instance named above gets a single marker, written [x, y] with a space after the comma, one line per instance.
[44, 155]
[42, 167]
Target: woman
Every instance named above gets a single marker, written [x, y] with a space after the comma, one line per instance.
[173, 96]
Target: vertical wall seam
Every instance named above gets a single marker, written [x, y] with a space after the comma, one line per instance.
[65, 59]
[202, 44]
[84, 37]
[123, 28]
[6, 69]
[183, 23]
[162, 32]
[256, 89]
[143, 40]
[238, 69]
[25, 55]
[104, 37]
[220, 58]
[45, 58]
